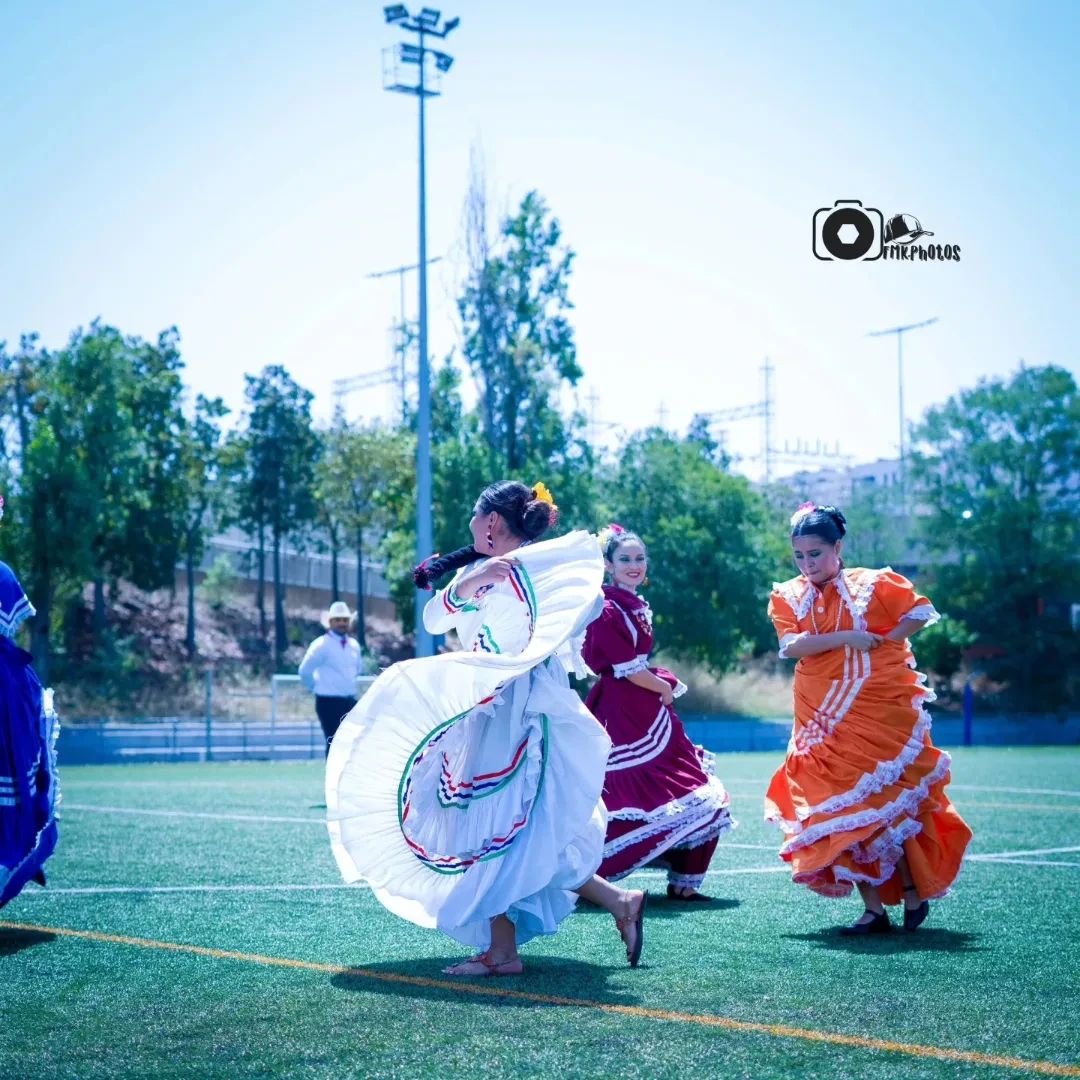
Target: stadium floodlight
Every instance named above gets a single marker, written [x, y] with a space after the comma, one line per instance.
[426, 24]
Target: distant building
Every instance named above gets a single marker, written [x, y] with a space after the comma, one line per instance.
[842, 486]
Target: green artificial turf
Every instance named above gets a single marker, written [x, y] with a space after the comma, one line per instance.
[994, 970]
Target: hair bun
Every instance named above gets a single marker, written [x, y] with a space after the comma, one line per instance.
[538, 516]
[838, 517]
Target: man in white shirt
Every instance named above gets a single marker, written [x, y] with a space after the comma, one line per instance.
[330, 667]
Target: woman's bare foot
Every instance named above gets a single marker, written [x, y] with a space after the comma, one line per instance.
[489, 963]
[628, 916]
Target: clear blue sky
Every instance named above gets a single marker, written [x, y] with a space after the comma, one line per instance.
[234, 168]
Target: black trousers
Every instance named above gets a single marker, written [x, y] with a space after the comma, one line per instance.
[331, 711]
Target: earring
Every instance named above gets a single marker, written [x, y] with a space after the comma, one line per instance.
[490, 542]
[645, 581]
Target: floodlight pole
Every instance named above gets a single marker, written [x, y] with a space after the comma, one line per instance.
[425, 642]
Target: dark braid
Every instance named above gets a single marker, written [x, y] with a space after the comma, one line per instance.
[430, 570]
[526, 516]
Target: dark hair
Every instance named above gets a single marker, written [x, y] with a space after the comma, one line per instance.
[825, 521]
[618, 538]
[525, 515]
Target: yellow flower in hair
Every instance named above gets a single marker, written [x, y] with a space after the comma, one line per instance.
[543, 495]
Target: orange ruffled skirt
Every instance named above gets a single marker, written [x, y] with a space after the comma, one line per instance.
[862, 784]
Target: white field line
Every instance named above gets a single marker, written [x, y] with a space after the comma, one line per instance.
[650, 872]
[1024, 862]
[1015, 790]
[292, 820]
[65, 806]
[128, 889]
[747, 781]
[1035, 851]
[99, 890]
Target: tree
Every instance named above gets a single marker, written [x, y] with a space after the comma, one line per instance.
[366, 484]
[49, 513]
[157, 505]
[877, 529]
[517, 340]
[997, 468]
[202, 465]
[711, 549]
[278, 481]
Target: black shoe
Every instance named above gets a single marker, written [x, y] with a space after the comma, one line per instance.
[915, 917]
[694, 898]
[879, 924]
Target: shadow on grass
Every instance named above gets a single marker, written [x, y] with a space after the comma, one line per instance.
[553, 976]
[900, 941]
[661, 907]
[13, 941]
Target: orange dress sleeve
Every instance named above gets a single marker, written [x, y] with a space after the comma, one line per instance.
[896, 599]
[785, 622]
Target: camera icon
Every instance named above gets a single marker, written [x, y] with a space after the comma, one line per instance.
[848, 231]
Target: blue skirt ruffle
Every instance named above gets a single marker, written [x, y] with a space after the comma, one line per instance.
[29, 791]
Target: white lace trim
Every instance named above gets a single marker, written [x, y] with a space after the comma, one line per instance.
[859, 600]
[711, 795]
[651, 744]
[680, 688]
[798, 594]
[685, 881]
[887, 772]
[907, 802]
[694, 832]
[787, 641]
[887, 848]
[926, 613]
[631, 667]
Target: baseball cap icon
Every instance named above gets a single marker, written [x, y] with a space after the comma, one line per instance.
[904, 229]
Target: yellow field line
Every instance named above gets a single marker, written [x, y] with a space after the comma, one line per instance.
[485, 989]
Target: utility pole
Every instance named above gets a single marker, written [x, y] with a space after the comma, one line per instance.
[899, 331]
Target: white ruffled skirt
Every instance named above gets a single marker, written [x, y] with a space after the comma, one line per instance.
[464, 786]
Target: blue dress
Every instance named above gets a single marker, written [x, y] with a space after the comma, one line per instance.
[29, 792]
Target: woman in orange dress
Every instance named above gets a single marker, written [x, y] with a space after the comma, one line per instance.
[861, 793]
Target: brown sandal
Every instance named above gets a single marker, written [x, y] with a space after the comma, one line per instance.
[486, 966]
[635, 920]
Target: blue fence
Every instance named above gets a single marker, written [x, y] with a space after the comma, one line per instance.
[198, 739]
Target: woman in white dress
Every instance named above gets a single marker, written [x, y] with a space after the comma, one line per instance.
[465, 788]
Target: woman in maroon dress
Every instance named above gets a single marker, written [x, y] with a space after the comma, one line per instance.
[665, 807]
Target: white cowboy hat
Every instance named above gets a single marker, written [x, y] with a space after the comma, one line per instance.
[337, 610]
